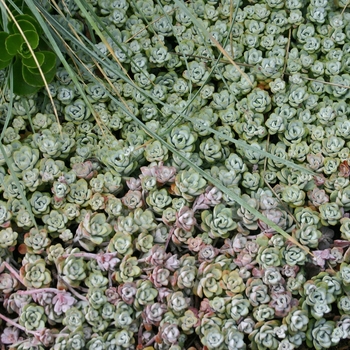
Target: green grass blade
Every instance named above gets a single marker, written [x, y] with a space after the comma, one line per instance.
[239, 143]
[10, 104]
[207, 35]
[215, 182]
[4, 19]
[110, 64]
[59, 54]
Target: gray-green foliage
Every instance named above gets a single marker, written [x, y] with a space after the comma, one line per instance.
[165, 145]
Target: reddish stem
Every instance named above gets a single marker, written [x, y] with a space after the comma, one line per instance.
[139, 336]
[15, 324]
[79, 296]
[13, 271]
[81, 255]
[152, 340]
[110, 279]
[43, 290]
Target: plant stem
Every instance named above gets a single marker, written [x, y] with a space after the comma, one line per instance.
[72, 289]
[110, 279]
[43, 290]
[81, 255]
[139, 335]
[13, 271]
[152, 340]
[15, 324]
[169, 237]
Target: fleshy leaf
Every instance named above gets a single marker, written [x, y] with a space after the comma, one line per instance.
[4, 64]
[21, 87]
[30, 19]
[13, 43]
[24, 25]
[33, 39]
[36, 79]
[50, 61]
[5, 55]
[30, 62]
[346, 257]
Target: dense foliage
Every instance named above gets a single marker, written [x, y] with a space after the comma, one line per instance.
[189, 189]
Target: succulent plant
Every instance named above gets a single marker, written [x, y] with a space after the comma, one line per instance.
[32, 317]
[93, 229]
[36, 240]
[72, 269]
[35, 275]
[8, 238]
[145, 294]
[15, 44]
[164, 167]
[128, 270]
[7, 283]
[73, 319]
[219, 223]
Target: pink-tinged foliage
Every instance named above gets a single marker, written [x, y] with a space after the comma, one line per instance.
[7, 283]
[10, 335]
[195, 244]
[153, 313]
[207, 253]
[282, 303]
[127, 292]
[172, 263]
[133, 199]
[200, 203]
[160, 276]
[163, 174]
[185, 219]
[107, 261]
[321, 257]
[62, 301]
[84, 170]
[134, 184]
[112, 295]
[157, 256]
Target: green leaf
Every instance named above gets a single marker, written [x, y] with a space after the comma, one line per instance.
[33, 38]
[21, 87]
[16, 180]
[5, 56]
[30, 62]
[8, 115]
[48, 68]
[48, 64]
[217, 183]
[24, 25]
[35, 79]
[262, 240]
[237, 142]
[13, 43]
[59, 54]
[30, 19]
[5, 64]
